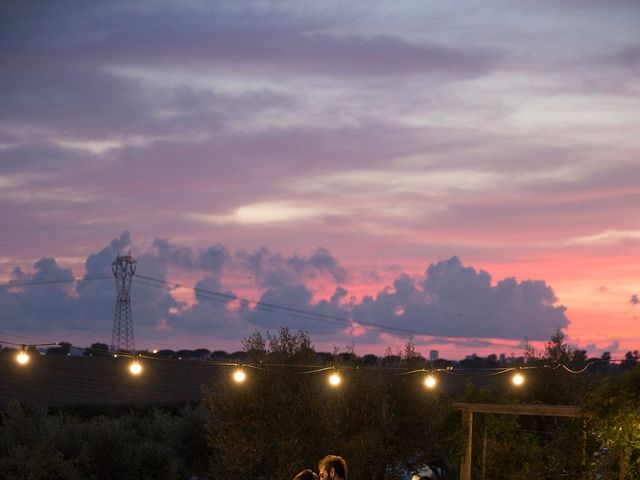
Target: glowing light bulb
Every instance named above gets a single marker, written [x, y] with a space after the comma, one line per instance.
[334, 379]
[430, 381]
[517, 379]
[239, 376]
[22, 358]
[135, 368]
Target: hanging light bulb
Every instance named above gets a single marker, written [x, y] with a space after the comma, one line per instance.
[517, 379]
[335, 379]
[22, 357]
[430, 381]
[135, 368]
[239, 375]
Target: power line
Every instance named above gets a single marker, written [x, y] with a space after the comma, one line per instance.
[52, 281]
[226, 298]
[315, 368]
[322, 317]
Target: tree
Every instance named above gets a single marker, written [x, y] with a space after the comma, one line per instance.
[285, 420]
[63, 348]
[631, 359]
[616, 405]
[98, 349]
[554, 382]
[556, 350]
[271, 417]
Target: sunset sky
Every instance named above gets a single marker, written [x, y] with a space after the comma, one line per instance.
[467, 172]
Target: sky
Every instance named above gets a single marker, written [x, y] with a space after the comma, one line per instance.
[461, 175]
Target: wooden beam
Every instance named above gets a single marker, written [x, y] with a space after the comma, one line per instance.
[523, 409]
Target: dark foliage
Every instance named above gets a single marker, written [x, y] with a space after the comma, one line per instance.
[36, 444]
[381, 419]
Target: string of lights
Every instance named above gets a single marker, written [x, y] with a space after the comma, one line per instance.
[334, 377]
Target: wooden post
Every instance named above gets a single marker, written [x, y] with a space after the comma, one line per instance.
[584, 443]
[484, 452]
[467, 428]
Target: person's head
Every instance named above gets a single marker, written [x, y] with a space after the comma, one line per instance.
[306, 475]
[333, 467]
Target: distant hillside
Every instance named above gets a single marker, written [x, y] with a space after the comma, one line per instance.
[60, 380]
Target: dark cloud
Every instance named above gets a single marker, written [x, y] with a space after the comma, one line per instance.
[274, 270]
[84, 101]
[451, 300]
[212, 258]
[101, 262]
[325, 317]
[593, 348]
[330, 54]
[634, 299]
[58, 64]
[152, 303]
[96, 298]
[457, 301]
[41, 157]
[477, 343]
[241, 37]
[630, 58]
[73, 101]
[47, 303]
[612, 347]
[87, 306]
[323, 261]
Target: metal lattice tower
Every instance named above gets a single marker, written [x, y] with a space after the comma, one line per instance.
[123, 267]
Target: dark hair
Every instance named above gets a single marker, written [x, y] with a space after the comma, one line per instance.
[306, 474]
[337, 463]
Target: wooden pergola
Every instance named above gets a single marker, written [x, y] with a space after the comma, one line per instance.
[468, 409]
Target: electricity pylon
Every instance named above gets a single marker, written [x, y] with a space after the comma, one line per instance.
[123, 267]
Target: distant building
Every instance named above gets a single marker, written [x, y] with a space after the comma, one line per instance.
[433, 355]
[473, 356]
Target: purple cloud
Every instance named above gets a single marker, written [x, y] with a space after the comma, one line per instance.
[211, 258]
[270, 270]
[457, 301]
[451, 300]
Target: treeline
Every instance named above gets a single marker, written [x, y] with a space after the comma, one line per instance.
[381, 419]
[576, 357]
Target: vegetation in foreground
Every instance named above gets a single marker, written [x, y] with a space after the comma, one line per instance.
[384, 423]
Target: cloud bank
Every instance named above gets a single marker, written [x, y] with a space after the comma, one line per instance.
[449, 300]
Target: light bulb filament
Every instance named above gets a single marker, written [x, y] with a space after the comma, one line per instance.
[239, 375]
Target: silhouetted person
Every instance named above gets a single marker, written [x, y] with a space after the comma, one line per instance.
[333, 467]
[306, 475]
